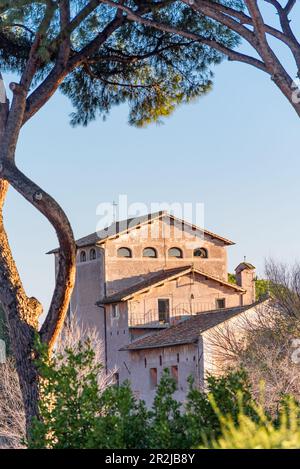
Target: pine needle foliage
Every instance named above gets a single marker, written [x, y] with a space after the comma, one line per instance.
[150, 70]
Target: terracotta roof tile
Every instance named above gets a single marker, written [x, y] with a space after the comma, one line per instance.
[161, 276]
[187, 331]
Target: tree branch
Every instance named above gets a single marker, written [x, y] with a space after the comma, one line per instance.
[230, 53]
[65, 279]
[114, 83]
[75, 22]
[22, 26]
[117, 56]
[224, 15]
[289, 6]
[270, 59]
[100, 39]
[65, 47]
[286, 28]
[269, 63]
[49, 86]
[17, 110]
[202, 7]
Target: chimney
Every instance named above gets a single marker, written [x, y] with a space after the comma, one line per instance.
[245, 278]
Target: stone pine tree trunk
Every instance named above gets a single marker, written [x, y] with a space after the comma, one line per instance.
[21, 312]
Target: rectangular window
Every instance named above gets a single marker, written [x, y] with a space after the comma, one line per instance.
[115, 311]
[220, 303]
[163, 310]
[174, 374]
[153, 378]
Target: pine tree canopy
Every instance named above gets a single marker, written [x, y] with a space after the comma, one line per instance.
[99, 58]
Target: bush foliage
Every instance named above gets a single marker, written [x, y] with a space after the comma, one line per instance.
[74, 413]
[247, 433]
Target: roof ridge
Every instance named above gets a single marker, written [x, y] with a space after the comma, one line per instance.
[94, 237]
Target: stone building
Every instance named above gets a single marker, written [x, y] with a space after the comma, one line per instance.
[187, 349]
[146, 280]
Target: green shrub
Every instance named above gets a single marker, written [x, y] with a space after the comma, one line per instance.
[123, 421]
[222, 393]
[76, 413]
[69, 400]
[247, 433]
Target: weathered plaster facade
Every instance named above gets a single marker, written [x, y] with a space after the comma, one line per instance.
[121, 273]
[196, 358]
[182, 360]
[187, 295]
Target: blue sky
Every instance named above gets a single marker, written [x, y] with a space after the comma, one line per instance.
[236, 150]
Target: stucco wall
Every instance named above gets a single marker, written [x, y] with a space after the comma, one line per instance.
[131, 365]
[233, 329]
[179, 292]
[124, 272]
[108, 273]
[89, 287]
[117, 336]
[246, 279]
[189, 364]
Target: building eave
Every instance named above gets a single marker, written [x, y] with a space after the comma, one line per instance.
[160, 216]
[150, 219]
[159, 339]
[143, 290]
[149, 347]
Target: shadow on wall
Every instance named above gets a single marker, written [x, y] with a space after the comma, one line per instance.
[120, 284]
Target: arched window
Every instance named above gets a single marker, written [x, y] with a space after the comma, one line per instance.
[93, 254]
[201, 252]
[83, 256]
[149, 252]
[175, 252]
[124, 252]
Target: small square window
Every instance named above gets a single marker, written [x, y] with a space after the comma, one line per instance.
[115, 311]
[220, 303]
